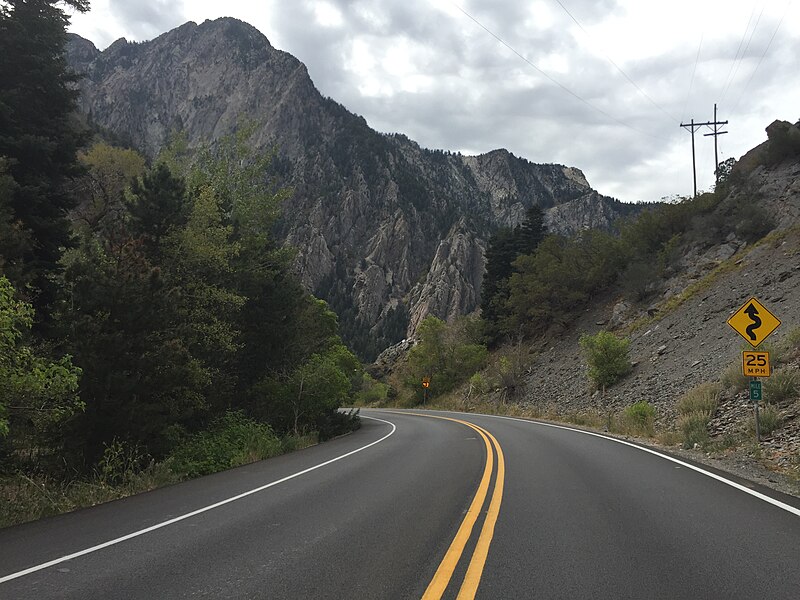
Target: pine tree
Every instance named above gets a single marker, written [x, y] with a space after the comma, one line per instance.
[38, 138]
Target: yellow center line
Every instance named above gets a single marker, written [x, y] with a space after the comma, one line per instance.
[473, 577]
[444, 573]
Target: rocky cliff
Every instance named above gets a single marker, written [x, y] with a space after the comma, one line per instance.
[385, 230]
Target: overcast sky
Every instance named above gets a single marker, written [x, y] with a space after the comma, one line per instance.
[601, 85]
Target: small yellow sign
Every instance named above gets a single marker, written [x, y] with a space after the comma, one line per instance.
[426, 382]
[755, 364]
[754, 322]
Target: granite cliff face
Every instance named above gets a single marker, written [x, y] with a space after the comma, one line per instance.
[386, 231]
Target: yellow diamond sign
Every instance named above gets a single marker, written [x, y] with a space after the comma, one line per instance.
[754, 322]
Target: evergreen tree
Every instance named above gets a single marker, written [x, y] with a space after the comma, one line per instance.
[504, 248]
[158, 206]
[38, 139]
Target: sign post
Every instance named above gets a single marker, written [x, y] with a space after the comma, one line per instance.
[426, 383]
[754, 323]
[756, 396]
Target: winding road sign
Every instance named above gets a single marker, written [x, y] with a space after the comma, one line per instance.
[754, 322]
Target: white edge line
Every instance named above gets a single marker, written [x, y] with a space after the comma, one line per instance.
[129, 536]
[782, 505]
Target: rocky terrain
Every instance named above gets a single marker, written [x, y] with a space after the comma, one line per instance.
[385, 230]
[682, 339]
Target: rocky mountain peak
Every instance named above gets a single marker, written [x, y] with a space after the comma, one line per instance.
[386, 231]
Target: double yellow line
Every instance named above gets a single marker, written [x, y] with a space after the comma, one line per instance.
[472, 579]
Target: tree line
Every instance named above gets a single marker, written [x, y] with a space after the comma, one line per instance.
[141, 302]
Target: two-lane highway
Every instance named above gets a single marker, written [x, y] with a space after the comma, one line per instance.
[433, 505]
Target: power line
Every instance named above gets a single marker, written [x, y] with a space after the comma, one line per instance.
[551, 79]
[616, 66]
[737, 59]
[763, 54]
[691, 81]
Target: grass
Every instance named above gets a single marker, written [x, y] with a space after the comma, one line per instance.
[639, 419]
[769, 419]
[694, 429]
[782, 386]
[733, 378]
[701, 399]
[123, 471]
[26, 498]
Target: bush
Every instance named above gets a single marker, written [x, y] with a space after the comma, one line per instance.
[607, 357]
[694, 428]
[639, 418]
[231, 441]
[769, 419]
[782, 386]
[702, 399]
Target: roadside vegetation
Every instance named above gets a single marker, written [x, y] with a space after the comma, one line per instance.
[151, 328]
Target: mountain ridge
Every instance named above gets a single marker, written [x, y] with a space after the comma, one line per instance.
[384, 228]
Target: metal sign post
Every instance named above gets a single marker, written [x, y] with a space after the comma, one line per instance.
[756, 396]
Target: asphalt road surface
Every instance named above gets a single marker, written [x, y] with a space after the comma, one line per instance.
[426, 505]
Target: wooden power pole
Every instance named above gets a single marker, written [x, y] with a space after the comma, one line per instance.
[714, 125]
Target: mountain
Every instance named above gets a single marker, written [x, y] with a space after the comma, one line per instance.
[386, 231]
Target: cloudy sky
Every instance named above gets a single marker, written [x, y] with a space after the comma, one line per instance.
[602, 85]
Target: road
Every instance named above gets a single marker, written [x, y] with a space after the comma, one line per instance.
[425, 506]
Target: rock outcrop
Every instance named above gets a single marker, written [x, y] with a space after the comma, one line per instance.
[386, 231]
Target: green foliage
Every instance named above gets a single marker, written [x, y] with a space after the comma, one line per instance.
[555, 282]
[769, 419]
[504, 247]
[40, 396]
[782, 386]
[445, 354]
[694, 429]
[38, 142]
[639, 418]
[101, 191]
[606, 356]
[230, 441]
[372, 392]
[695, 409]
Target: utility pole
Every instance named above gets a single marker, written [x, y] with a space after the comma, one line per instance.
[716, 132]
[692, 127]
[714, 125]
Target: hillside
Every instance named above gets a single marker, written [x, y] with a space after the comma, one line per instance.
[679, 336]
[386, 231]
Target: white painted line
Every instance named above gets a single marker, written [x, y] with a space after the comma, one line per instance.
[782, 505]
[194, 512]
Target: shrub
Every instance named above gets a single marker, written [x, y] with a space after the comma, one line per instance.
[694, 428]
[232, 440]
[607, 357]
[639, 418]
[702, 399]
[783, 385]
[769, 419]
[372, 392]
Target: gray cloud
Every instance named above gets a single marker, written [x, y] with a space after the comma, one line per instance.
[470, 92]
[148, 19]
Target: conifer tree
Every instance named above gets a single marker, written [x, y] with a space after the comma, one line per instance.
[38, 138]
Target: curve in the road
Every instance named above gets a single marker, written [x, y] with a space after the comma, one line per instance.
[441, 579]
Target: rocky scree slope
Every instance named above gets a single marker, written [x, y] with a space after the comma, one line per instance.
[386, 231]
[675, 349]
